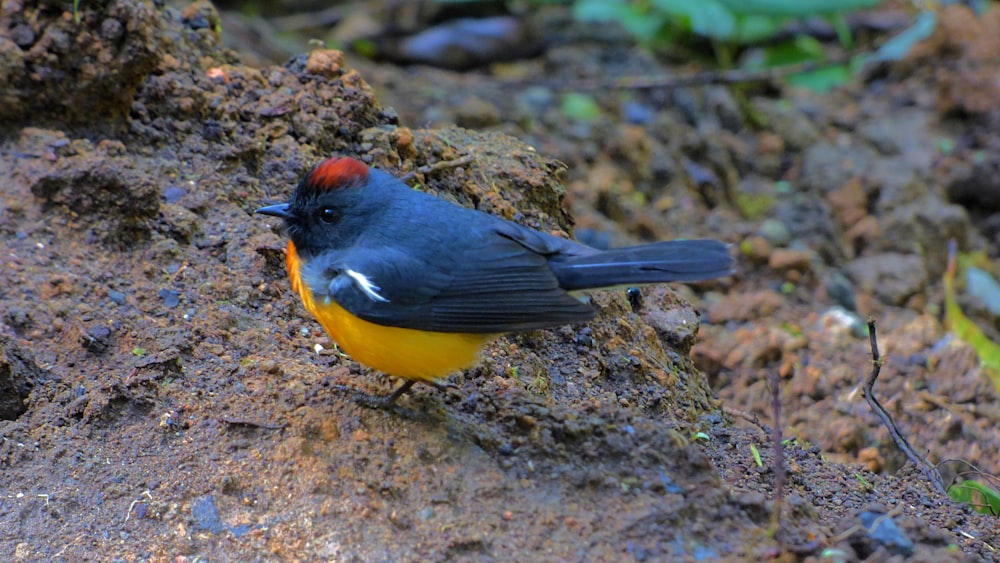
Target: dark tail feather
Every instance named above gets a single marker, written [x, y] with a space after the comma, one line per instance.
[667, 261]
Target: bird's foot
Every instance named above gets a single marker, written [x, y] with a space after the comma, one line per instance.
[377, 401]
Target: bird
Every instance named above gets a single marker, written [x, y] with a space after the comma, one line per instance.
[415, 286]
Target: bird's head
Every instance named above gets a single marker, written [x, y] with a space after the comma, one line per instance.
[330, 206]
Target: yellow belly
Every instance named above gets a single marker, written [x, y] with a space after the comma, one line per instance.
[402, 352]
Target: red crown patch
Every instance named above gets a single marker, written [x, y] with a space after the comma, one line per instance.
[335, 173]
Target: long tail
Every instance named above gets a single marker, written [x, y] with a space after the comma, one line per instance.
[667, 261]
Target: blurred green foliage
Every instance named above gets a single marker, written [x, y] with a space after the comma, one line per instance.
[963, 327]
[580, 107]
[730, 21]
[729, 24]
[979, 496]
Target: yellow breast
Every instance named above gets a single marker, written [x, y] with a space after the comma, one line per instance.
[402, 352]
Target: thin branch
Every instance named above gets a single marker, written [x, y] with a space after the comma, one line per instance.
[931, 472]
[747, 416]
[439, 166]
[778, 445]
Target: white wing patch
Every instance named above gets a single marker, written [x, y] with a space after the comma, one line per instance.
[366, 286]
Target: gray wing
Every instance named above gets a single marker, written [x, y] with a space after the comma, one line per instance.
[502, 284]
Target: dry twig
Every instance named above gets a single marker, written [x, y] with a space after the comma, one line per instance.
[439, 166]
[931, 472]
[776, 443]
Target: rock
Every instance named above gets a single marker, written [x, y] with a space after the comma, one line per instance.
[826, 167]
[775, 232]
[97, 339]
[841, 290]
[328, 63]
[476, 113]
[811, 224]
[535, 100]
[675, 321]
[850, 203]
[757, 249]
[783, 259]
[788, 123]
[171, 298]
[891, 276]
[178, 222]
[883, 530]
[206, 514]
[839, 320]
[924, 227]
[464, 43]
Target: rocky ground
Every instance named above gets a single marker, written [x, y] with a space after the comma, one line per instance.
[163, 395]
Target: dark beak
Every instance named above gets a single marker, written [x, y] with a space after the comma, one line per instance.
[279, 210]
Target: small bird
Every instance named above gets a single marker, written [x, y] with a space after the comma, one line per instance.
[415, 286]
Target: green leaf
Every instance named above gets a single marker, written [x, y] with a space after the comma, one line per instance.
[795, 8]
[823, 79]
[755, 205]
[598, 10]
[752, 28]
[966, 330]
[640, 23]
[580, 107]
[799, 50]
[843, 29]
[898, 47]
[978, 496]
[707, 18]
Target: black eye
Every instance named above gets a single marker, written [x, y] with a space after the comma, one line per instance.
[328, 215]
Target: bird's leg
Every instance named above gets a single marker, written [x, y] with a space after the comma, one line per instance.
[375, 401]
[391, 397]
[442, 385]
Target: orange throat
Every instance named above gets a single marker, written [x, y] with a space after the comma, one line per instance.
[402, 352]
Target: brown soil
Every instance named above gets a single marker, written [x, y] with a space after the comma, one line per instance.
[163, 396]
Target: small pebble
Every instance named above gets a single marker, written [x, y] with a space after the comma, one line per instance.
[425, 514]
[788, 259]
[841, 290]
[634, 299]
[173, 193]
[170, 297]
[112, 30]
[775, 232]
[637, 114]
[535, 99]
[97, 339]
[206, 514]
